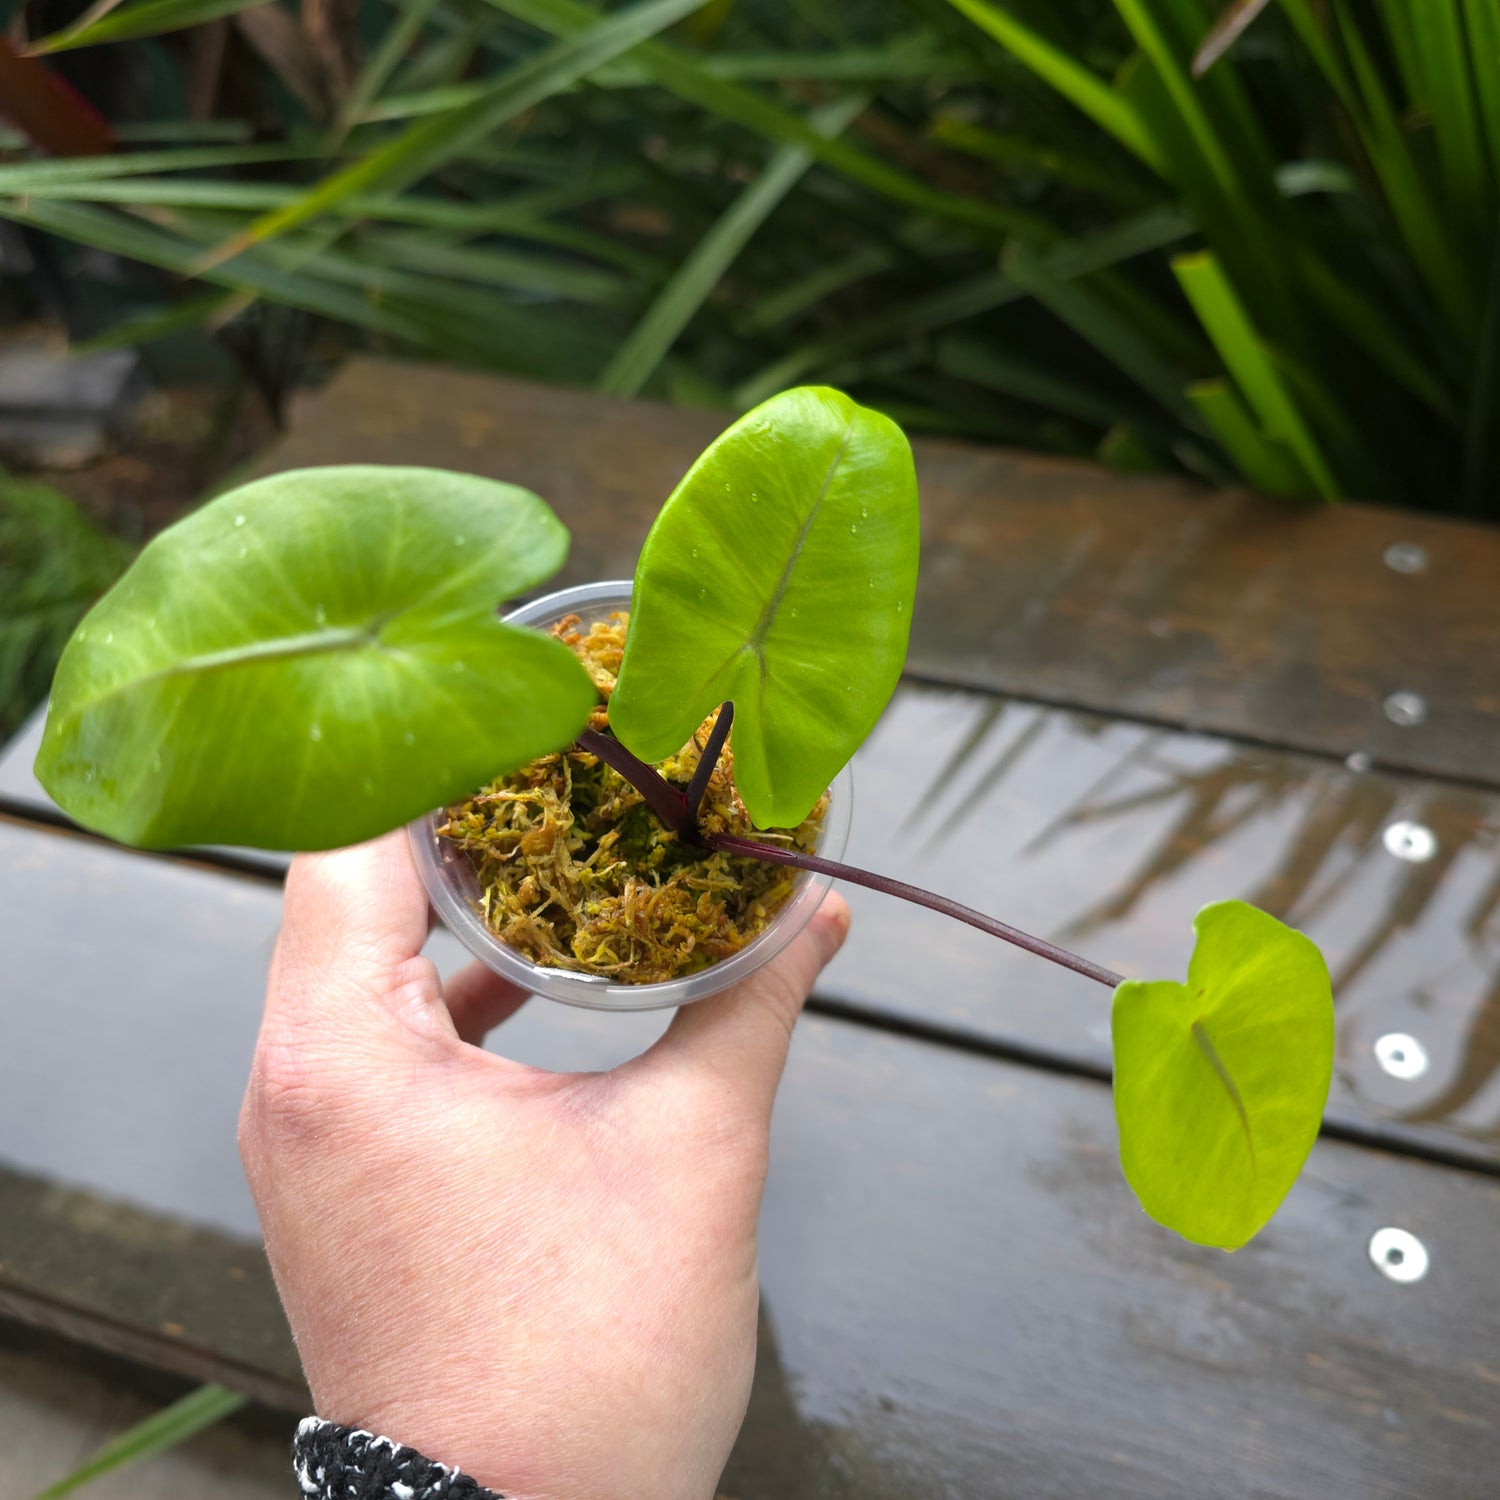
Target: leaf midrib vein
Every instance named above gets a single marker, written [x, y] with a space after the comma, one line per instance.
[314, 643]
[773, 604]
[1211, 1053]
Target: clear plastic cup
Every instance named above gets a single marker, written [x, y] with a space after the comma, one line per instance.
[454, 891]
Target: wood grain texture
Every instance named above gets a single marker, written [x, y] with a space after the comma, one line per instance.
[1040, 578]
[960, 1295]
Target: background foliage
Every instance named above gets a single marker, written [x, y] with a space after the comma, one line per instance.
[54, 562]
[1025, 220]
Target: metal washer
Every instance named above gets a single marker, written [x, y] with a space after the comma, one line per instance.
[1398, 1254]
[1400, 1054]
[1414, 842]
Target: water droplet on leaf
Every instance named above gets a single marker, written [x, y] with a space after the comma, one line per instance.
[315, 732]
[239, 520]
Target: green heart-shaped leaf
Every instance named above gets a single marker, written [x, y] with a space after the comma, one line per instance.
[1220, 1083]
[780, 575]
[311, 660]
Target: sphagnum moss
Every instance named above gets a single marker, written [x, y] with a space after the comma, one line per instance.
[578, 873]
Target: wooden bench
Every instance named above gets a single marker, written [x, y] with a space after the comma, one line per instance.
[1126, 699]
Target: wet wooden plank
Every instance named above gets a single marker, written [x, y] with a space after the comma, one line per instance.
[1107, 836]
[1040, 578]
[959, 1293]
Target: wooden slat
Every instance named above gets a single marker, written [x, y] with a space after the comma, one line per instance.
[1040, 578]
[1107, 836]
[960, 1296]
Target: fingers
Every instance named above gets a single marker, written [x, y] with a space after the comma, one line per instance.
[738, 1041]
[479, 1000]
[352, 931]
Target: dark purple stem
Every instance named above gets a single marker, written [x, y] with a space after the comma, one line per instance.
[707, 761]
[668, 803]
[680, 813]
[731, 844]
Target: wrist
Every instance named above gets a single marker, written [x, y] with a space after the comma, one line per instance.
[336, 1462]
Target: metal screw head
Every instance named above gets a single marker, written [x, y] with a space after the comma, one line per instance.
[1406, 709]
[1406, 557]
[1398, 1254]
[1401, 1055]
[1413, 842]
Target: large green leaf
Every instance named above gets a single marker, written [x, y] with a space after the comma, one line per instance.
[1220, 1082]
[311, 660]
[779, 575]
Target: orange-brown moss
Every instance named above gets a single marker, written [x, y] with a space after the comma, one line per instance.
[578, 873]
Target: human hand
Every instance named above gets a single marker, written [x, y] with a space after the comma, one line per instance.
[547, 1280]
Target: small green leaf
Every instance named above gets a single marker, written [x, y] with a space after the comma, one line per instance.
[1220, 1083]
[780, 575]
[311, 660]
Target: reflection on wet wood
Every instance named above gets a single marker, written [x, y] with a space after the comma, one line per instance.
[1107, 837]
[960, 1295]
[1040, 578]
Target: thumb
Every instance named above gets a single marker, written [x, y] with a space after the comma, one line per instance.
[352, 931]
[740, 1038]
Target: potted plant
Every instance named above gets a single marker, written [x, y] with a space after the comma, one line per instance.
[644, 801]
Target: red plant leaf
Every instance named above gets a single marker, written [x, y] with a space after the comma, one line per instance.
[50, 111]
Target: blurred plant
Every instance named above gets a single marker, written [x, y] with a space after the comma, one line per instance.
[54, 563]
[999, 218]
[163, 1430]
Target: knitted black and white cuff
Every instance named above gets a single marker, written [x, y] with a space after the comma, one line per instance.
[342, 1463]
